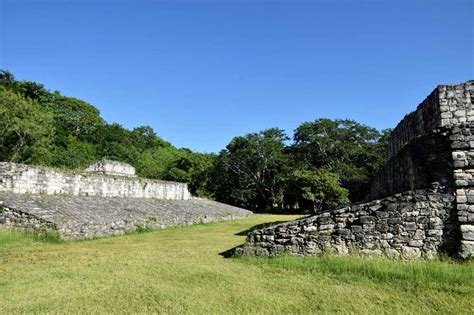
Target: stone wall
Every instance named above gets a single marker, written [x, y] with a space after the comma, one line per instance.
[462, 146]
[420, 144]
[446, 106]
[431, 148]
[21, 178]
[85, 205]
[114, 168]
[409, 225]
[418, 165]
[76, 217]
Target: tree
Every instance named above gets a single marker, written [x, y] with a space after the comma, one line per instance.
[74, 153]
[116, 143]
[316, 190]
[352, 150]
[255, 166]
[144, 137]
[26, 130]
[6, 77]
[74, 117]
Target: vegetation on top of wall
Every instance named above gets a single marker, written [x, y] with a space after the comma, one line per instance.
[328, 163]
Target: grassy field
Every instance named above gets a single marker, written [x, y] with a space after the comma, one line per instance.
[180, 271]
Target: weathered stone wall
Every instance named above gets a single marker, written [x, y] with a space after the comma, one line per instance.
[446, 106]
[420, 144]
[462, 146]
[431, 148]
[435, 145]
[84, 205]
[76, 217]
[21, 178]
[409, 225]
[109, 167]
[419, 164]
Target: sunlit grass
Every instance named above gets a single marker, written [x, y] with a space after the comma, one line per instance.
[179, 270]
[12, 237]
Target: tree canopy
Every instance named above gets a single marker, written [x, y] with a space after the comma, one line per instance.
[328, 163]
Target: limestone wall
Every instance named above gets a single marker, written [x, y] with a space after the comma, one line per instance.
[424, 161]
[420, 146]
[462, 146]
[109, 167]
[409, 225]
[431, 148]
[435, 145]
[76, 217]
[21, 179]
[446, 106]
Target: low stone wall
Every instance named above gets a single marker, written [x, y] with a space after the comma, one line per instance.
[21, 178]
[409, 225]
[76, 218]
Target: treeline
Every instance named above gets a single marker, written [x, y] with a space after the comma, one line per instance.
[327, 163]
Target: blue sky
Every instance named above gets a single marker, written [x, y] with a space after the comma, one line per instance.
[202, 72]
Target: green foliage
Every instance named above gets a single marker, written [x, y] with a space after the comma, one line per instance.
[353, 151]
[26, 130]
[317, 190]
[252, 169]
[74, 154]
[74, 117]
[154, 163]
[258, 171]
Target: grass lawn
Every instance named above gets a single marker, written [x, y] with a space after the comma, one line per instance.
[179, 270]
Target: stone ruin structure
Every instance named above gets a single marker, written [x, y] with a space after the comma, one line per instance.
[422, 200]
[106, 199]
[109, 167]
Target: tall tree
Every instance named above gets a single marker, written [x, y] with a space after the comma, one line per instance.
[316, 190]
[26, 130]
[256, 166]
[352, 150]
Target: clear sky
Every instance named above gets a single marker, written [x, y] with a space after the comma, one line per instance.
[202, 72]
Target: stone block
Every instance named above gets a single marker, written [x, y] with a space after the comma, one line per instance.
[434, 232]
[419, 235]
[461, 199]
[410, 226]
[415, 243]
[467, 232]
[326, 227]
[367, 219]
[467, 249]
[410, 252]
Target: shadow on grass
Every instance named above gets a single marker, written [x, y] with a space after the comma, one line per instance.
[230, 253]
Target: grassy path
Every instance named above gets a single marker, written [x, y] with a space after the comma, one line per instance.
[180, 271]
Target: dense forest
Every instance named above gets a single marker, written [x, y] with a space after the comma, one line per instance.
[326, 163]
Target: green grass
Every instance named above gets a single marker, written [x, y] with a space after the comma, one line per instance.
[179, 270]
[12, 237]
